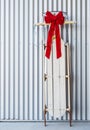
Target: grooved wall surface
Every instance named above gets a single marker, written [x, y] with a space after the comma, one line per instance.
[21, 57]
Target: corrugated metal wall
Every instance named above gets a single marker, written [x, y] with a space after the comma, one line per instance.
[21, 57]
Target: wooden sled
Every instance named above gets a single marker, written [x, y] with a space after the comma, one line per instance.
[56, 78]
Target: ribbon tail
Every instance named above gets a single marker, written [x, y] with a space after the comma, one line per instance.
[49, 43]
[58, 43]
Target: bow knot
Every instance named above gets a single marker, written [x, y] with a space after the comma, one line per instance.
[55, 20]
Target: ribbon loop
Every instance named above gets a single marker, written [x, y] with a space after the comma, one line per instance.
[55, 21]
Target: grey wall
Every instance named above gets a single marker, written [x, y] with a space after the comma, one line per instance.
[21, 57]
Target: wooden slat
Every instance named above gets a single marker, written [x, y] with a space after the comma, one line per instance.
[45, 24]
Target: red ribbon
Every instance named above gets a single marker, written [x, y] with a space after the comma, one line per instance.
[55, 21]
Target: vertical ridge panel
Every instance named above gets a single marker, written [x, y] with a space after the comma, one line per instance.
[4, 89]
[23, 56]
[83, 60]
[7, 61]
[78, 58]
[21, 109]
[16, 59]
[11, 61]
[33, 63]
[40, 45]
[26, 60]
[88, 61]
[31, 59]
[35, 44]
[0, 58]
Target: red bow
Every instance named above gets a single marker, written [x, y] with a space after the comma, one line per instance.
[54, 28]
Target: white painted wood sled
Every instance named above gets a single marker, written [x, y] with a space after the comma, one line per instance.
[56, 74]
[56, 81]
